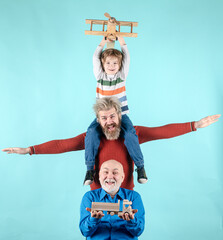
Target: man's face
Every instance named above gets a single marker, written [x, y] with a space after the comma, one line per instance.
[111, 176]
[111, 65]
[110, 122]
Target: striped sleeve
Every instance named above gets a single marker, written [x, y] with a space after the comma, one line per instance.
[125, 62]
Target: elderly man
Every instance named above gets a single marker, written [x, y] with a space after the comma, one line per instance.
[112, 143]
[99, 225]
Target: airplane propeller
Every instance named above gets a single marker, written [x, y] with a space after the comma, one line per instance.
[111, 18]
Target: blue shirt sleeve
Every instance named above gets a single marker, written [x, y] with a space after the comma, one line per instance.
[136, 225]
[88, 225]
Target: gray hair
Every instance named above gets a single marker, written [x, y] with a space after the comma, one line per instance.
[107, 103]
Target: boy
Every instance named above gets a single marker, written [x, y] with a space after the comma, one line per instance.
[111, 69]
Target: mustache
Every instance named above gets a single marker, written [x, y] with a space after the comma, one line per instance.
[114, 134]
[111, 125]
[109, 181]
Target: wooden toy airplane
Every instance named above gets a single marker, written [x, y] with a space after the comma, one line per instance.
[111, 33]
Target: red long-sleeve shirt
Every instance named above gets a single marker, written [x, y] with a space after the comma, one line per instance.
[114, 149]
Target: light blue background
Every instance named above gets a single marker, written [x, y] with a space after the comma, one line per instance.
[47, 89]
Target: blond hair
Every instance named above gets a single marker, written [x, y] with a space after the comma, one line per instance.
[112, 52]
[107, 103]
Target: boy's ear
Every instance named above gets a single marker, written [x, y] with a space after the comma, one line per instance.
[120, 66]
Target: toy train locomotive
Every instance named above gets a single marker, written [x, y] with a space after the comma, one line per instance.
[113, 208]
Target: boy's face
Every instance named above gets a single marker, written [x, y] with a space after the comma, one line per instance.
[111, 65]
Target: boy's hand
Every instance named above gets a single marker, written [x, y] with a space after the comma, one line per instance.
[104, 41]
[121, 41]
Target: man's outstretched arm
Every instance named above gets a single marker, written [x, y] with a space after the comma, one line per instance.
[51, 147]
[146, 134]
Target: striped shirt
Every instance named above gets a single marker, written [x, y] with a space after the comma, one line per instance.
[112, 85]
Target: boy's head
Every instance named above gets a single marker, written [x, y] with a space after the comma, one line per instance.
[111, 60]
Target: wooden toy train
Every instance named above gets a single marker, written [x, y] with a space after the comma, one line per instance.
[113, 208]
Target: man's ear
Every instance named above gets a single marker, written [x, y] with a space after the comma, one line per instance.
[120, 116]
[97, 120]
[123, 176]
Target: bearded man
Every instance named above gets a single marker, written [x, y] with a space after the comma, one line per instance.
[99, 225]
[112, 142]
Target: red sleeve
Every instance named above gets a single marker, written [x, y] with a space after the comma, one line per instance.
[146, 134]
[60, 146]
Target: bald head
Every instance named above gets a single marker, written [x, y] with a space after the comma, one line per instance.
[111, 176]
[112, 164]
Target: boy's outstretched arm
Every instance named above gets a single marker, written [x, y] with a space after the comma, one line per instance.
[121, 41]
[126, 58]
[103, 42]
[97, 67]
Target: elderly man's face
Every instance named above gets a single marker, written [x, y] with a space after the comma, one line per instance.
[110, 122]
[111, 176]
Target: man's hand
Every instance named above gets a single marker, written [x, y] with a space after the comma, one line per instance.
[96, 214]
[16, 150]
[204, 122]
[127, 216]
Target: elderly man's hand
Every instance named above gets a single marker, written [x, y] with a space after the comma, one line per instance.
[127, 216]
[204, 122]
[96, 214]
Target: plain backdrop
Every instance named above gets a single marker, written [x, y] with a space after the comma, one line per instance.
[47, 89]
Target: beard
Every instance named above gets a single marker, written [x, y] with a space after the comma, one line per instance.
[113, 189]
[114, 134]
